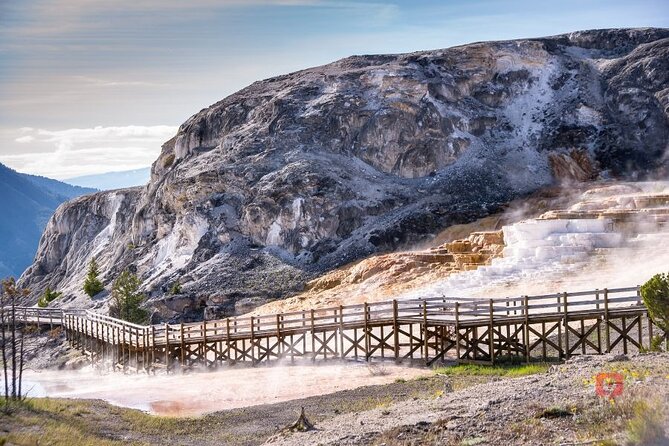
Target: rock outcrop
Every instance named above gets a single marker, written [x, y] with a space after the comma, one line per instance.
[298, 174]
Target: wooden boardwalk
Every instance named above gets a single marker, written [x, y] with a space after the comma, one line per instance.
[526, 328]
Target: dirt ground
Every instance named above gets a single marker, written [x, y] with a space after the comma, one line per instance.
[558, 406]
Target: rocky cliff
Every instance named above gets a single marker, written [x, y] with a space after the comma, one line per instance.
[295, 175]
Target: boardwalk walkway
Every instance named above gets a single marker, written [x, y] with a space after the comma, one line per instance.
[547, 327]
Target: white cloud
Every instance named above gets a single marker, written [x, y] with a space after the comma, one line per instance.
[81, 151]
[98, 82]
[25, 139]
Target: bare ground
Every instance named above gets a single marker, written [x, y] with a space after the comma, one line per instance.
[555, 407]
[558, 407]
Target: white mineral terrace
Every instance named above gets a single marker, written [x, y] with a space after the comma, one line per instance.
[617, 240]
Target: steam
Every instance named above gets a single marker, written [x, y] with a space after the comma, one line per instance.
[198, 393]
[622, 242]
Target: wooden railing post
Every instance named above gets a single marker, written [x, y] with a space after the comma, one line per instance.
[253, 345]
[153, 347]
[396, 334]
[526, 331]
[491, 334]
[565, 304]
[123, 348]
[167, 348]
[457, 330]
[204, 341]
[313, 337]
[606, 320]
[425, 332]
[279, 343]
[182, 346]
[227, 339]
[366, 310]
[341, 330]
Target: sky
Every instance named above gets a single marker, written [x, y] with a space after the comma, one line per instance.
[92, 86]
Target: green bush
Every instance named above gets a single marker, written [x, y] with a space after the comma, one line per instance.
[92, 285]
[48, 296]
[655, 294]
[176, 288]
[126, 300]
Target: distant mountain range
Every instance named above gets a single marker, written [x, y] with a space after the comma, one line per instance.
[27, 203]
[113, 180]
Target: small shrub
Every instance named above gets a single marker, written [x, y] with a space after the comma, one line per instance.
[656, 343]
[176, 288]
[376, 369]
[554, 412]
[30, 329]
[55, 333]
[48, 297]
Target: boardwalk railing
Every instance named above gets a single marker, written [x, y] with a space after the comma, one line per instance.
[552, 326]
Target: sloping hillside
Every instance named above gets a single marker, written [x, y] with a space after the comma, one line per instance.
[27, 203]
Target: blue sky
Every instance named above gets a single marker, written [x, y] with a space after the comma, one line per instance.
[89, 86]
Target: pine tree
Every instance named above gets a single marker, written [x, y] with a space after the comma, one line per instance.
[655, 294]
[126, 299]
[92, 284]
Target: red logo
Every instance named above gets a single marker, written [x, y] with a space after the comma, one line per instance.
[609, 385]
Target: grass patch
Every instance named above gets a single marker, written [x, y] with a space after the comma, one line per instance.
[46, 421]
[646, 425]
[637, 415]
[364, 404]
[506, 370]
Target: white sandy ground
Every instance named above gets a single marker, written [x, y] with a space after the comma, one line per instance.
[198, 393]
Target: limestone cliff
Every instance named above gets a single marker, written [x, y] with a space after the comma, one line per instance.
[298, 174]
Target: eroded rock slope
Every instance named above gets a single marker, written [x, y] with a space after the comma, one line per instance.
[298, 174]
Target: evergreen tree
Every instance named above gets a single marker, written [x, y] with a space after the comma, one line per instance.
[655, 294]
[92, 284]
[126, 300]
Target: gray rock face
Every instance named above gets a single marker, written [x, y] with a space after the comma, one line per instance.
[298, 174]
